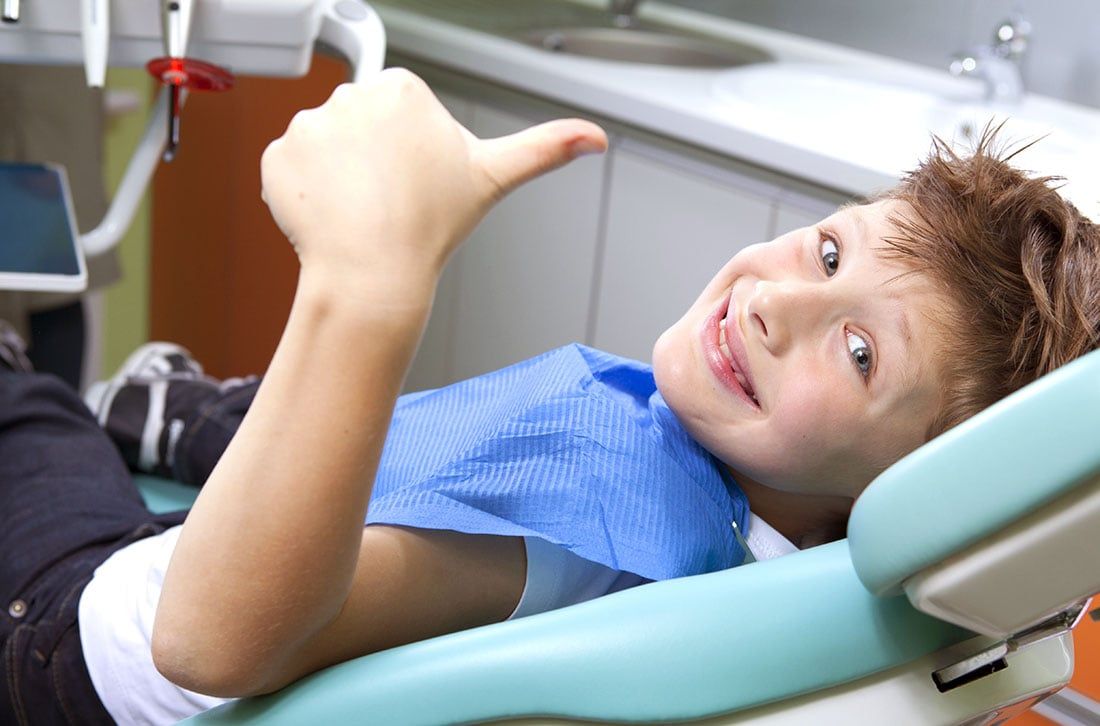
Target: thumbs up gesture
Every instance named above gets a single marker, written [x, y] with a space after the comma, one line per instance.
[382, 182]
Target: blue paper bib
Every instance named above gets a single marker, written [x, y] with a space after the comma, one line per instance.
[575, 446]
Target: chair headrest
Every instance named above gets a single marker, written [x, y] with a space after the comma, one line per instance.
[979, 477]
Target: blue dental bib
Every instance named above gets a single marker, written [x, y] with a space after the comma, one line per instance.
[575, 446]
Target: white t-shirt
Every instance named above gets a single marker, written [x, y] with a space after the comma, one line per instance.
[117, 608]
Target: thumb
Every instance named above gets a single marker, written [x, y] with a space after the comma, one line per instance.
[511, 160]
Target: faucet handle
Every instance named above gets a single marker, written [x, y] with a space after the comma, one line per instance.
[1010, 39]
[623, 12]
[963, 64]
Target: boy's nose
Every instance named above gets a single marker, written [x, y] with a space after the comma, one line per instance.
[779, 312]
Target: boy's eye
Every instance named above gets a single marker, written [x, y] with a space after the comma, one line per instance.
[830, 256]
[861, 353]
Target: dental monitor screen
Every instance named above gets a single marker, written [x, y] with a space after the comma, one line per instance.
[39, 246]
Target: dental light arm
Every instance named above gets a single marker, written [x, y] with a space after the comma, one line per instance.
[134, 182]
[258, 38]
[96, 31]
[353, 30]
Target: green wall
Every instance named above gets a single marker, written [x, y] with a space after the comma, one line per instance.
[126, 309]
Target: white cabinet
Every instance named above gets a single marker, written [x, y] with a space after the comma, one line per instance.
[522, 282]
[526, 271]
[671, 224]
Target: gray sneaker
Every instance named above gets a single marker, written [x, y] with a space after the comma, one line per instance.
[144, 407]
[13, 351]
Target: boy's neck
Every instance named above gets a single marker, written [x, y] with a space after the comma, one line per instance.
[805, 519]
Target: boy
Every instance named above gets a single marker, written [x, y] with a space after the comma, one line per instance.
[805, 367]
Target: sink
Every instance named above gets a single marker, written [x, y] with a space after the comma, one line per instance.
[633, 45]
[588, 30]
[832, 99]
[873, 116]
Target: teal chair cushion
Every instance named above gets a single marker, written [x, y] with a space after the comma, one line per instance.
[981, 476]
[678, 649]
[164, 495]
[672, 650]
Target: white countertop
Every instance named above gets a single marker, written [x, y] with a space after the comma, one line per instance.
[685, 104]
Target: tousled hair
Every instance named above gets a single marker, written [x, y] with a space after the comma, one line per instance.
[1019, 265]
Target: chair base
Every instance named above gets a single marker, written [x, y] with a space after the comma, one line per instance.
[906, 695]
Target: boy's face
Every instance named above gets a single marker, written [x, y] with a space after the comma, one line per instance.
[828, 372]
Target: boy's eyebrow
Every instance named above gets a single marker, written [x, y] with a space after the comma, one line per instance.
[860, 222]
[903, 324]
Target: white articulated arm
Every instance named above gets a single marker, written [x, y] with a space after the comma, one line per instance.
[134, 183]
[354, 30]
[351, 28]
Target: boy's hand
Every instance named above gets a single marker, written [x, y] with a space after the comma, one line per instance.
[381, 181]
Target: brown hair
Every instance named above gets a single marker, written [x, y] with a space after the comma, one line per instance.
[1020, 265]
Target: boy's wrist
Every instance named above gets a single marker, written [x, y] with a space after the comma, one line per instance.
[400, 296]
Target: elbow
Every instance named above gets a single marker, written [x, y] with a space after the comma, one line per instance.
[203, 667]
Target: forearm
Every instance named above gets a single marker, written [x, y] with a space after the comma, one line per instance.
[377, 187]
[267, 554]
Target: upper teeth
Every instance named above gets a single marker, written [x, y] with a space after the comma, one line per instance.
[726, 352]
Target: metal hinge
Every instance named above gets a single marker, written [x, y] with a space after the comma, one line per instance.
[994, 658]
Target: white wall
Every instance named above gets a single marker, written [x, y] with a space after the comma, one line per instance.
[1064, 60]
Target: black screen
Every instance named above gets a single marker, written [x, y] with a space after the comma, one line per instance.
[35, 235]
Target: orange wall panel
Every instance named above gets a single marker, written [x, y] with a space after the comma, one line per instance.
[223, 275]
[1086, 659]
[1086, 664]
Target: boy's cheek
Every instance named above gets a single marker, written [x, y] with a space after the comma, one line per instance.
[801, 409]
[806, 439]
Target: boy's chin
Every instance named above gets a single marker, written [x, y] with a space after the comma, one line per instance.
[669, 370]
[672, 353]
[674, 381]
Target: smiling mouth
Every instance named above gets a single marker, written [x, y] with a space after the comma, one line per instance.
[742, 380]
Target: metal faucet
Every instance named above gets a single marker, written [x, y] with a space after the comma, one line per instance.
[623, 13]
[10, 12]
[998, 64]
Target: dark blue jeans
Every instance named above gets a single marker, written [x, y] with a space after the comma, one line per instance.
[67, 502]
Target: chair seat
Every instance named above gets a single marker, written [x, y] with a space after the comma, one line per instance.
[164, 495]
[672, 650]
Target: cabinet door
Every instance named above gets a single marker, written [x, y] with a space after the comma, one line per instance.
[671, 225]
[431, 368]
[525, 275]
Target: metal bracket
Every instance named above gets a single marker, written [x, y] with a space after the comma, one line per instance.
[994, 658]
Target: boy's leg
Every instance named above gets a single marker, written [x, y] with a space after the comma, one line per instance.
[166, 417]
[66, 503]
[62, 483]
[206, 436]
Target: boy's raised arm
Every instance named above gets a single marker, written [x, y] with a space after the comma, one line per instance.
[375, 189]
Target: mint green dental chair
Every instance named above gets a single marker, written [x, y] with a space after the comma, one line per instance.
[967, 564]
